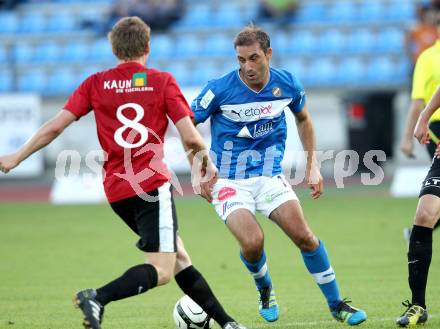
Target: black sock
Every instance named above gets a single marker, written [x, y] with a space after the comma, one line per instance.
[419, 259]
[195, 286]
[134, 281]
[437, 224]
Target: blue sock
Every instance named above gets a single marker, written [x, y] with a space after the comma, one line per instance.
[259, 271]
[318, 264]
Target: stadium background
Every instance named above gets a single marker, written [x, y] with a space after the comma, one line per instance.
[349, 54]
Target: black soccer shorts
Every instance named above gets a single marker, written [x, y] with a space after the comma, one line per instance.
[154, 222]
[431, 184]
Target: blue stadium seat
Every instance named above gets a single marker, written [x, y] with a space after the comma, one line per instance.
[162, 46]
[372, 11]
[218, 45]
[4, 54]
[23, 52]
[280, 43]
[198, 15]
[342, 11]
[322, 72]
[331, 42]
[9, 22]
[62, 22]
[181, 72]
[227, 14]
[351, 71]
[391, 40]
[34, 80]
[401, 10]
[381, 69]
[76, 51]
[85, 2]
[85, 72]
[202, 74]
[249, 10]
[229, 65]
[47, 52]
[361, 41]
[313, 12]
[302, 42]
[403, 70]
[6, 80]
[101, 50]
[297, 67]
[61, 82]
[189, 46]
[92, 15]
[33, 22]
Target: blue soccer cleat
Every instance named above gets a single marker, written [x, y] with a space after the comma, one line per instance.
[343, 312]
[268, 306]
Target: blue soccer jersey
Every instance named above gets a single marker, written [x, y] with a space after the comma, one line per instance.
[248, 128]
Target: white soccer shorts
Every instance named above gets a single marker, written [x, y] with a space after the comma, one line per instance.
[262, 194]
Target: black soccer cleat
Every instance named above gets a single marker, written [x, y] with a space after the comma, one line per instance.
[93, 311]
[414, 315]
[233, 325]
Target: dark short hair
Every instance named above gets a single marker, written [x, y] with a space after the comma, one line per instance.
[129, 38]
[250, 35]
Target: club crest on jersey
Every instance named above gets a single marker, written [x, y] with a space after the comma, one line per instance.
[276, 91]
[139, 79]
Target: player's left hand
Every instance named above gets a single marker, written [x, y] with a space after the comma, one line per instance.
[315, 182]
[421, 131]
[8, 162]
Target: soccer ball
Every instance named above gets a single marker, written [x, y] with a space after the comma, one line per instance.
[188, 315]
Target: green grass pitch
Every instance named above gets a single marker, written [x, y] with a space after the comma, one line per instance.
[49, 252]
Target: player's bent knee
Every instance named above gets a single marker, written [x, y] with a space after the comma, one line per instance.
[182, 261]
[164, 263]
[425, 217]
[306, 242]
[253, 245]
[164, 275]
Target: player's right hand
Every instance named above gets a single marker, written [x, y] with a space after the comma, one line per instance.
[209, 178]
[8, 162]
[315, 181]
[421, 131]
[406, 146]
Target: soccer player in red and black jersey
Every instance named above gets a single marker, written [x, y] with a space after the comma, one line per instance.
[132, 105]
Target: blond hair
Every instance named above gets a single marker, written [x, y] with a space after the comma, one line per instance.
[129, 38]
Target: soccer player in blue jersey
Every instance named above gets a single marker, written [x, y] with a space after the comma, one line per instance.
[248, 128]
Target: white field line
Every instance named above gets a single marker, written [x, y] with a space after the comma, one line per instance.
[327, 322]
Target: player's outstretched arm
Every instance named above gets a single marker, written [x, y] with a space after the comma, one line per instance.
[198, 157]
[44, 135]
[307, 136]
[421, 131]
[406, 145]
[195, 123]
